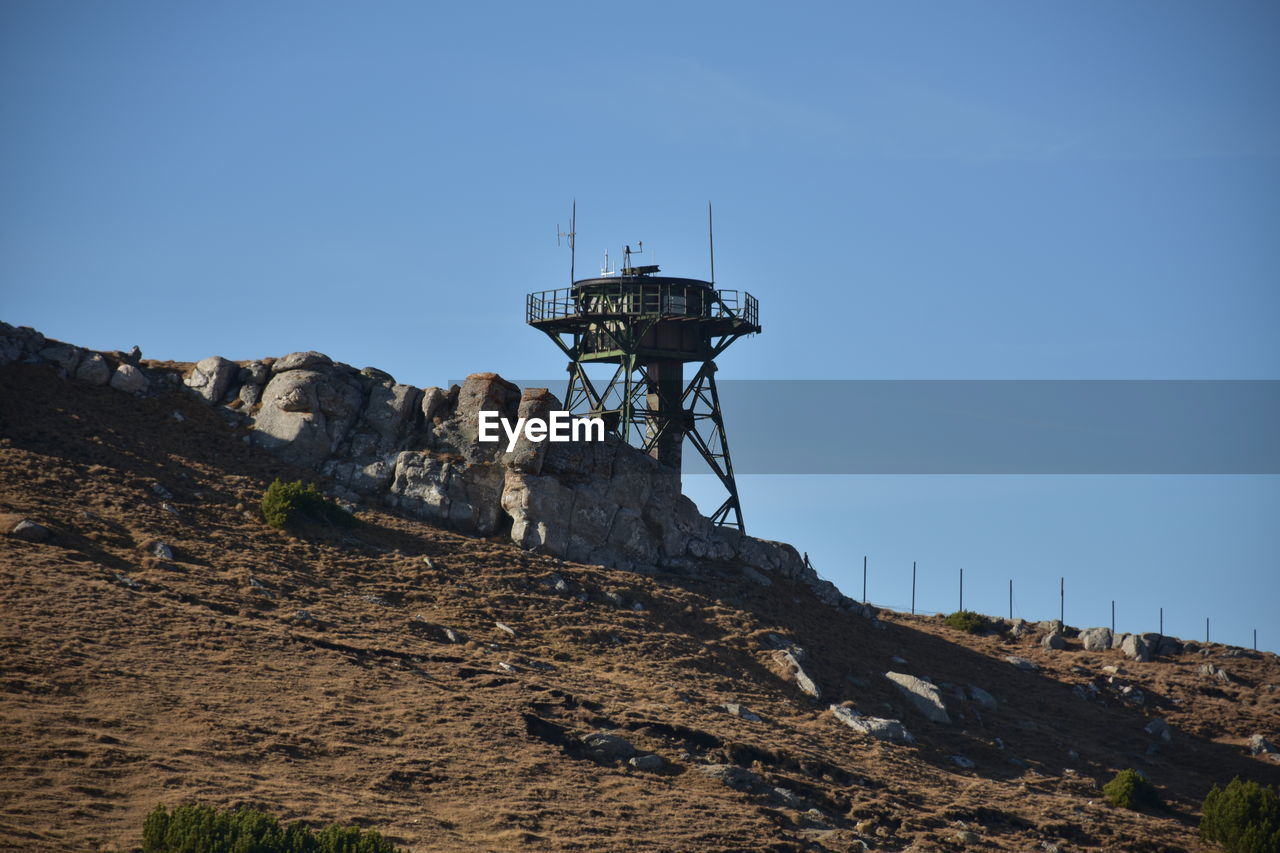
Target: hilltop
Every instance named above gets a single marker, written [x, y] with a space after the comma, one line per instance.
[461, 690]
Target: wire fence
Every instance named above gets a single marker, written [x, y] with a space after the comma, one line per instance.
[1013, 612]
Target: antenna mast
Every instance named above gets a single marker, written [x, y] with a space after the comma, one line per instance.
[572, 233]
[711, 242]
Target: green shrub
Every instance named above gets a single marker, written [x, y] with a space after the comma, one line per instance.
[1129, 789]
[284, 504]
[1244, 817]
[204, 829]
[968, 621]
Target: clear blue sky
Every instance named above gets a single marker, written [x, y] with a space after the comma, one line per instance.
[913, 190]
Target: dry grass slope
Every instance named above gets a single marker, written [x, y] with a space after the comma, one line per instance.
[310, 675]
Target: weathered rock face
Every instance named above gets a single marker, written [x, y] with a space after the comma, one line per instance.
[1135, 648]
[923, 695]
[1095, 639]
[418, 450]
[211, 376]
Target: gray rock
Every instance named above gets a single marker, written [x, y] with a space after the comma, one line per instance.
[65, 356]
[962, 762]
[250, 394]
[1259, 745]
[1135, 648]
[1117, 640]
[301, 361]
[1053, 640]
[733, 776]
[606, 747]
[741, 711]
[162, 551]
[1096, 639]
[254, 373]
[923, 695]
[982, 697]
[1019, 628]
[755, 576]
[648, 763]
[1022, 663]
[1168, 647]
[1159, 729]
[305, 415]
[876, 727]
[129, 379]
[29, 531]
[390, 413]
[506, 629]
[967, 838]
[94, 370]
[789, 660]
[1217, 673]
[211, 377]
[790, 799]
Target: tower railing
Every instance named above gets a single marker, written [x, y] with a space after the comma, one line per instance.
[640, 300]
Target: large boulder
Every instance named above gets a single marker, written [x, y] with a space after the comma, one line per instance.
[211, 377]
[1135, 648]
[129, 379]
[94, 370]
[1054, 640]
[301, 361]
[291, 423]
[65, 356]
[1096, 639]
[486, 392]
[923, 695]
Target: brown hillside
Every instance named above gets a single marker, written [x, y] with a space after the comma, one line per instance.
[310, 675]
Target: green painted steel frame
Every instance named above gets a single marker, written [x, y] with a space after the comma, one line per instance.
[624, 403]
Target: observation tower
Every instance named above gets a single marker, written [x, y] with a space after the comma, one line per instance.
[649, 326]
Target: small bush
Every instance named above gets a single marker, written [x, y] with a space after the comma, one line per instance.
[1131, 790]
[968, 621]
[1244, 817]
[204, 829]
[284, 504]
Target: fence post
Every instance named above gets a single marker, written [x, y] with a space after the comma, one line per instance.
[1062, 601]
[913, 587]
[1113, 615]
[864, 579]
[1206, 629]
[962, 589]
[1010, 599]
[1161, 621]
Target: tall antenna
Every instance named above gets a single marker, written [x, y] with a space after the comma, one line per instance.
[570, 235]
[711, 242]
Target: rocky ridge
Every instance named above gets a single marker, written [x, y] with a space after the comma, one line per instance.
[417, 450]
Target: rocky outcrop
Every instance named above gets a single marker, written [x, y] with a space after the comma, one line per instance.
[383, 442]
